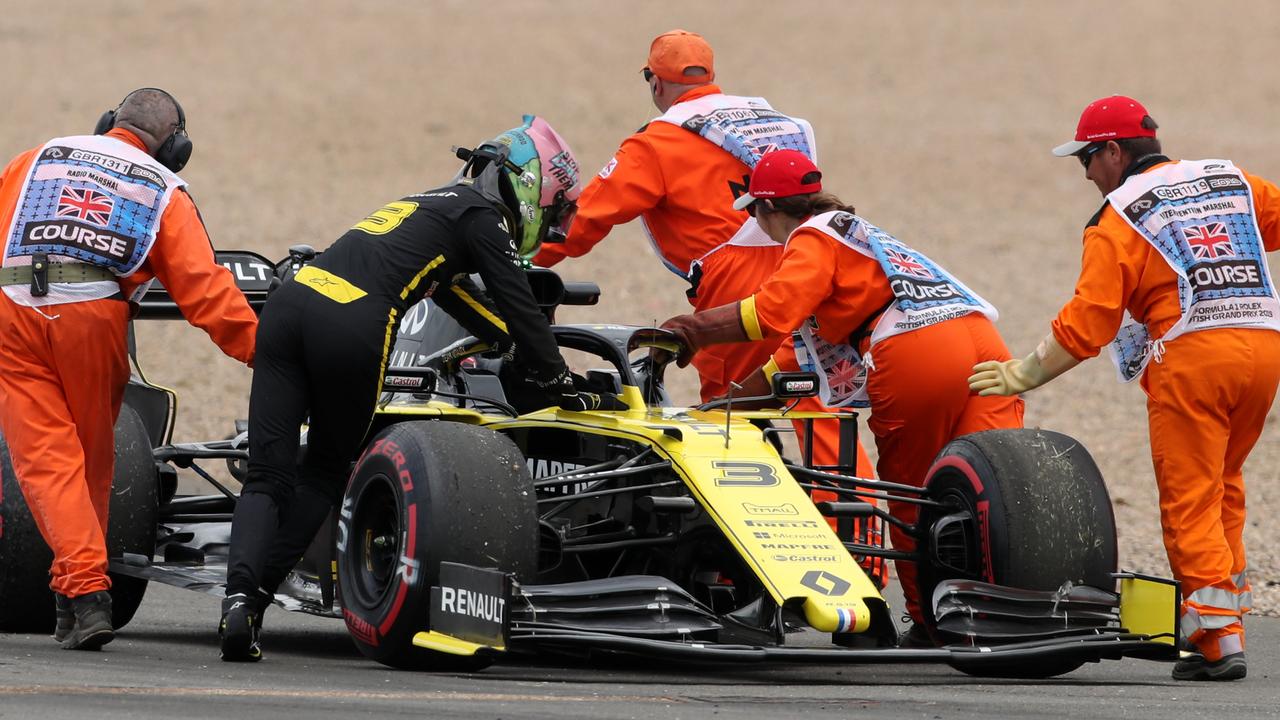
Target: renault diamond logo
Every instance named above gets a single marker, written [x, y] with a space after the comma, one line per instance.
[825, 583]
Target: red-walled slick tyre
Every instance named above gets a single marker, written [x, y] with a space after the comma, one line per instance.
[425, 493]
[1041, 516]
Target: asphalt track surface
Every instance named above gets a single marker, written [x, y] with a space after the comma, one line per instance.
[165, 665]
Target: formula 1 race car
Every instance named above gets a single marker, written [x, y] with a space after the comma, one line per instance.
[470, 530]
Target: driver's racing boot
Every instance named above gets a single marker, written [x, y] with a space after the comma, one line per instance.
[917, 636]
[91, 628]
[66, 617]
[240, 627]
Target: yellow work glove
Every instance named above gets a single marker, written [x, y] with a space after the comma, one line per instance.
[1014, 377]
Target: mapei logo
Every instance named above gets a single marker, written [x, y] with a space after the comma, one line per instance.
[772, 510]
[825, 583]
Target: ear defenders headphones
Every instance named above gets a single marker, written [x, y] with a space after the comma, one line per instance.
[175, 151]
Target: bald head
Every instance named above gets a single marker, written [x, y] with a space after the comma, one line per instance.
[150, 114]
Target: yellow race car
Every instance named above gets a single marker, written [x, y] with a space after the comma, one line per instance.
[470, 530]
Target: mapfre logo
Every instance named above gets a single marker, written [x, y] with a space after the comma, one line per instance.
[540, 468]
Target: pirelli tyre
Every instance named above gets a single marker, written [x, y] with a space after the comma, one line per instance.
[424, 493]
[26, 603]
[1025, 508]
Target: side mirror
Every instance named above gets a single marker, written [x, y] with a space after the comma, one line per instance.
[253, 275]
[302, 254]
[790, 385]
[414, 380]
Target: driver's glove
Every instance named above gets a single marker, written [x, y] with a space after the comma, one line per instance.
[565, 394]
[583, 401]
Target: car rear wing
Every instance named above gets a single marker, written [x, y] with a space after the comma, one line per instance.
[253, 274]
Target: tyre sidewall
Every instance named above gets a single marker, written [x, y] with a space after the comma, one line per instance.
[462, 494]
[26, 602]
[1028, 511]
[382, 629]
[962, 468]
[135, 510]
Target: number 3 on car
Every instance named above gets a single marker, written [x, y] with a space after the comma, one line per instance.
[386, 218]
[744, 474]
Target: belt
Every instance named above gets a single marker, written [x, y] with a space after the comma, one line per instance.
[868, 326]
[58, 272]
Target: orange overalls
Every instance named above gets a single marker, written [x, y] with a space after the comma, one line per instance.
[1208, 395]
[920, 400]
[63, 370]
[684, 187]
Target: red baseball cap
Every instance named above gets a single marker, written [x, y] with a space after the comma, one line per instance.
[780, 174]
[1111, 118]
[675, 51]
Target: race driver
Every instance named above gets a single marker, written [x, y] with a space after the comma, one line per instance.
[680, 174]
[327, 332]
[89, 221]
[1180, 247]
[863, 298]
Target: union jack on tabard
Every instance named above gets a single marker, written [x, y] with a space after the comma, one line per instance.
[906, 264]
[844, 377]
[85, 204]
[762, 150]
[1209, 241]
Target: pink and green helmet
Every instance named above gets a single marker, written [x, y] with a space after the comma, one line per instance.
[548, 185]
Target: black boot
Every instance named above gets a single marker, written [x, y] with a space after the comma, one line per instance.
[66, 617]
[240, 627]
[92, 628]
[1194, 666]
[917, 636]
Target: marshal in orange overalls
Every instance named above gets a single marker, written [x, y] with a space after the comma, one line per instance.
[63, 370]
[683, 187]
[1208, 395]
[919, 400]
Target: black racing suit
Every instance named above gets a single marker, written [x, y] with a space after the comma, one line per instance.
[323, 343]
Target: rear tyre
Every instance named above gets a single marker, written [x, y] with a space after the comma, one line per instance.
[135, 511]
[425, 493]
[26, 603]
[1041, 517]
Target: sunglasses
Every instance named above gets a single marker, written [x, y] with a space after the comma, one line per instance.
[1085, 156]
[648, 74]
[758, 204]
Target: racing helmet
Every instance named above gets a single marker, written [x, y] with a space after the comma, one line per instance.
[531, 172]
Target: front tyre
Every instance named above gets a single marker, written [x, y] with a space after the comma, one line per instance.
[1026, 509]
[425, 493]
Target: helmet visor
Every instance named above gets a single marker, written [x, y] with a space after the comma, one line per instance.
[557, 219]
